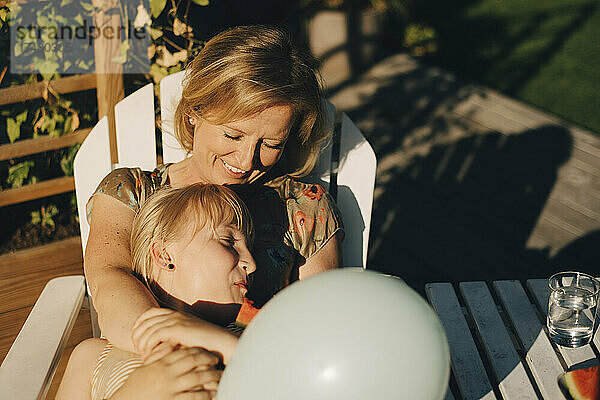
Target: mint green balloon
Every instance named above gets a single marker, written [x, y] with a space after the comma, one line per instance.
[341, 335]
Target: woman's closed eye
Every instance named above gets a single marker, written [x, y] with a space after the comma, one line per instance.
[274, 146]
[269, 145]
[232, 136]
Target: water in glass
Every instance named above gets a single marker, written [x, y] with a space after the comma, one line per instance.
[572, 311]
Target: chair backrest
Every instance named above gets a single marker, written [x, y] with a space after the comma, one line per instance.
[170, 92]
[136, 147]
[91, 164]
[354, 169]
[135, 127]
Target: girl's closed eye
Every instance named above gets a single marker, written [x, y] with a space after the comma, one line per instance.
[229, 241]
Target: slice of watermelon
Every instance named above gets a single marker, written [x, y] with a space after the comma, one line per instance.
[246, 313]
[581, 384]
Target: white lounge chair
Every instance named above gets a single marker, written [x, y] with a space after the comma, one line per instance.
[346, 168]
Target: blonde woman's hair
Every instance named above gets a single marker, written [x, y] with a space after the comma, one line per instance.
[170, 213]
[245, 70]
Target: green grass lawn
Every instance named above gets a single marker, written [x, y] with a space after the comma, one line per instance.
[544, 52]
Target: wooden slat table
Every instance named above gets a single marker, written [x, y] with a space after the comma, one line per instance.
[499, 344]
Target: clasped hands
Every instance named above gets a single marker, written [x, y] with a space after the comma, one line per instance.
[181, 357]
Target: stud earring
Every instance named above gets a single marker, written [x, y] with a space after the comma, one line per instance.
[171, 266]
[191, 119]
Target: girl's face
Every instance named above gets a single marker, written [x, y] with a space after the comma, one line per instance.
[208, 267]
[241, 151]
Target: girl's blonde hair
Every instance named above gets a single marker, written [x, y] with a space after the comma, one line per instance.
[245, 70]
[169, 213]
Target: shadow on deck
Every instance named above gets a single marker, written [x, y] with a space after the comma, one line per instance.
[472, 185]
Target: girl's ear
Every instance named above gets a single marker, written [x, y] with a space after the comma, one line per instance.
[160, 256]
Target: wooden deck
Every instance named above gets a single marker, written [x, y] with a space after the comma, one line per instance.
[471, 185]
[23, 275]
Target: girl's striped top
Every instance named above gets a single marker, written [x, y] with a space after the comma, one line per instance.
[112, 370]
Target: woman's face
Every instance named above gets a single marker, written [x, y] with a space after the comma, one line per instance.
[209, 267]
[241, 151]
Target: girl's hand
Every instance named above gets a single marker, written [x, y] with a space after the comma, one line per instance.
[161, 325]
[182, 374]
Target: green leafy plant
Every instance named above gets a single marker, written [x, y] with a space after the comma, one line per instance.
[13, 126]
[17, 174]
[45, 216]
[66, 163]
[73, 205]
[172, 41]
[420, 39]
[56, 117]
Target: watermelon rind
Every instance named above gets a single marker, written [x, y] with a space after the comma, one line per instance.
[572, 391]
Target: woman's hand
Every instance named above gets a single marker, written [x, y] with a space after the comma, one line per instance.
[182, 374]
[161, 325]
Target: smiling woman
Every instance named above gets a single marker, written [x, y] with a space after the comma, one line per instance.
[238, 152]
[244, 71]
[251, 115]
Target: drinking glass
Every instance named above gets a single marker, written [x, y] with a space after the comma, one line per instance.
[572, 308]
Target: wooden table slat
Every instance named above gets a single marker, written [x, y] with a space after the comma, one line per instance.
[583, 356]
[512, 378]
[540, 356]
[467, 366]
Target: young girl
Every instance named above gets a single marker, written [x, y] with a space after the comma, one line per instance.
[190, 247]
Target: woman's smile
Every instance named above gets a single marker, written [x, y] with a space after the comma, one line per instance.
[233, 171]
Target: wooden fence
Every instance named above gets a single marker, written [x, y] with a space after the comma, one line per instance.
[108, 82]
[28, 147]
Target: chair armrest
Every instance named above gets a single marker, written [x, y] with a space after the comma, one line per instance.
[27, 370]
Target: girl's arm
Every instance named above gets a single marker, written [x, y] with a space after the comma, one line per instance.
[160, 325]
[118, 296]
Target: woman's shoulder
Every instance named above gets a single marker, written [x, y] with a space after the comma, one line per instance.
[132, 186]
[134, 177]
[293, 189]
